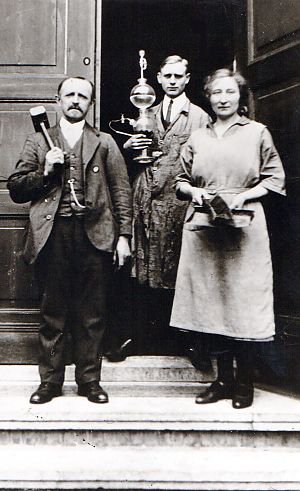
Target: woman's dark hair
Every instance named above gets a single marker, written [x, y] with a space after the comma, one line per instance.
[241, 82]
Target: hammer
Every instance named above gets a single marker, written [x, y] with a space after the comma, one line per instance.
[40, 122]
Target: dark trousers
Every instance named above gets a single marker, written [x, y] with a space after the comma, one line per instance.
[152, 311]
[120, 309]
[74, 280]
[143, 314]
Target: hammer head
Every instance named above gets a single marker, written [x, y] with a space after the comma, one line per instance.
[38, 116]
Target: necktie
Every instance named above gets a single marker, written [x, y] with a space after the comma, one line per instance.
[168, 116]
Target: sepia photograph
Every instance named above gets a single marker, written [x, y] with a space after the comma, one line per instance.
[150, 262]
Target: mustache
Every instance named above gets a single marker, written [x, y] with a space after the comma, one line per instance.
[75, 107]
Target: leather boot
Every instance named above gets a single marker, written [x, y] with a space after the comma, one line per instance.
[243, 391]
[222, 387]
[45, 393]
[242, 396]
[94, 392]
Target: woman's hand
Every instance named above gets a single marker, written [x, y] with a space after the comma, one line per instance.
[251, 194]
[197, 195]
[238, 201]
[193, 193]
[137, 142]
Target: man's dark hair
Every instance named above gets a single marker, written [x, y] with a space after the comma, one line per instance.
[80, 78]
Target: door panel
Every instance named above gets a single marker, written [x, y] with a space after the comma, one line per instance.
[275, 31]
[18, 287]
[29, 34]
[15, 125]
[274, 68]
[54, 37]
[278, 108]
[273, 41]
[41, 42]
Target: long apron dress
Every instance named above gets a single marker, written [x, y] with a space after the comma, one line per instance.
[224, 282]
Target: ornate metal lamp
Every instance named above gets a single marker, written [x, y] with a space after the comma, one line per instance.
[142, 96]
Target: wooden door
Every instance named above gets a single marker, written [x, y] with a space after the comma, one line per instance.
[41, 42]
[273, 65]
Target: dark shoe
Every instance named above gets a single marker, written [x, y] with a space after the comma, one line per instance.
[45, 393]
[199, 359]
[119, 354]
[243, 396]
[215, 392]
[94, 392]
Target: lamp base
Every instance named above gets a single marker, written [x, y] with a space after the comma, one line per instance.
[145, 156]
[144, 159]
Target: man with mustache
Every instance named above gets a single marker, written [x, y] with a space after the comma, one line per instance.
[80, 222]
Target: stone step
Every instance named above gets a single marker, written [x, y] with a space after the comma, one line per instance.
[119, 389]
[143, 468]
[136, 376]
[133, 369]
[273, 420]
[151, 442]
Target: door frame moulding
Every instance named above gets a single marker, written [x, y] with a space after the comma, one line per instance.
[252, 56]
[98, 40]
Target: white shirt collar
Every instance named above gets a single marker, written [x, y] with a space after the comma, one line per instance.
[178, 104]
[71, 131]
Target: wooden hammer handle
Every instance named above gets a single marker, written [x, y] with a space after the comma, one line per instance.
[46, 135]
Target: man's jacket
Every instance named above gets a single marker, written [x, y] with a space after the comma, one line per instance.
[107, 190]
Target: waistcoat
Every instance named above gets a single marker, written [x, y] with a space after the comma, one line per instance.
[73, 170]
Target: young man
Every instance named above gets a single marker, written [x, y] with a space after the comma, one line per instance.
[80, 217]
[158, 214]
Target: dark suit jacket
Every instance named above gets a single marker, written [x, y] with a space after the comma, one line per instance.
[107, 190]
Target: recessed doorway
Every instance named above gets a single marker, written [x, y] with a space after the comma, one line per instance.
[202, 31]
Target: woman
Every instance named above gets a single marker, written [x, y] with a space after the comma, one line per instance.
[224, 281]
